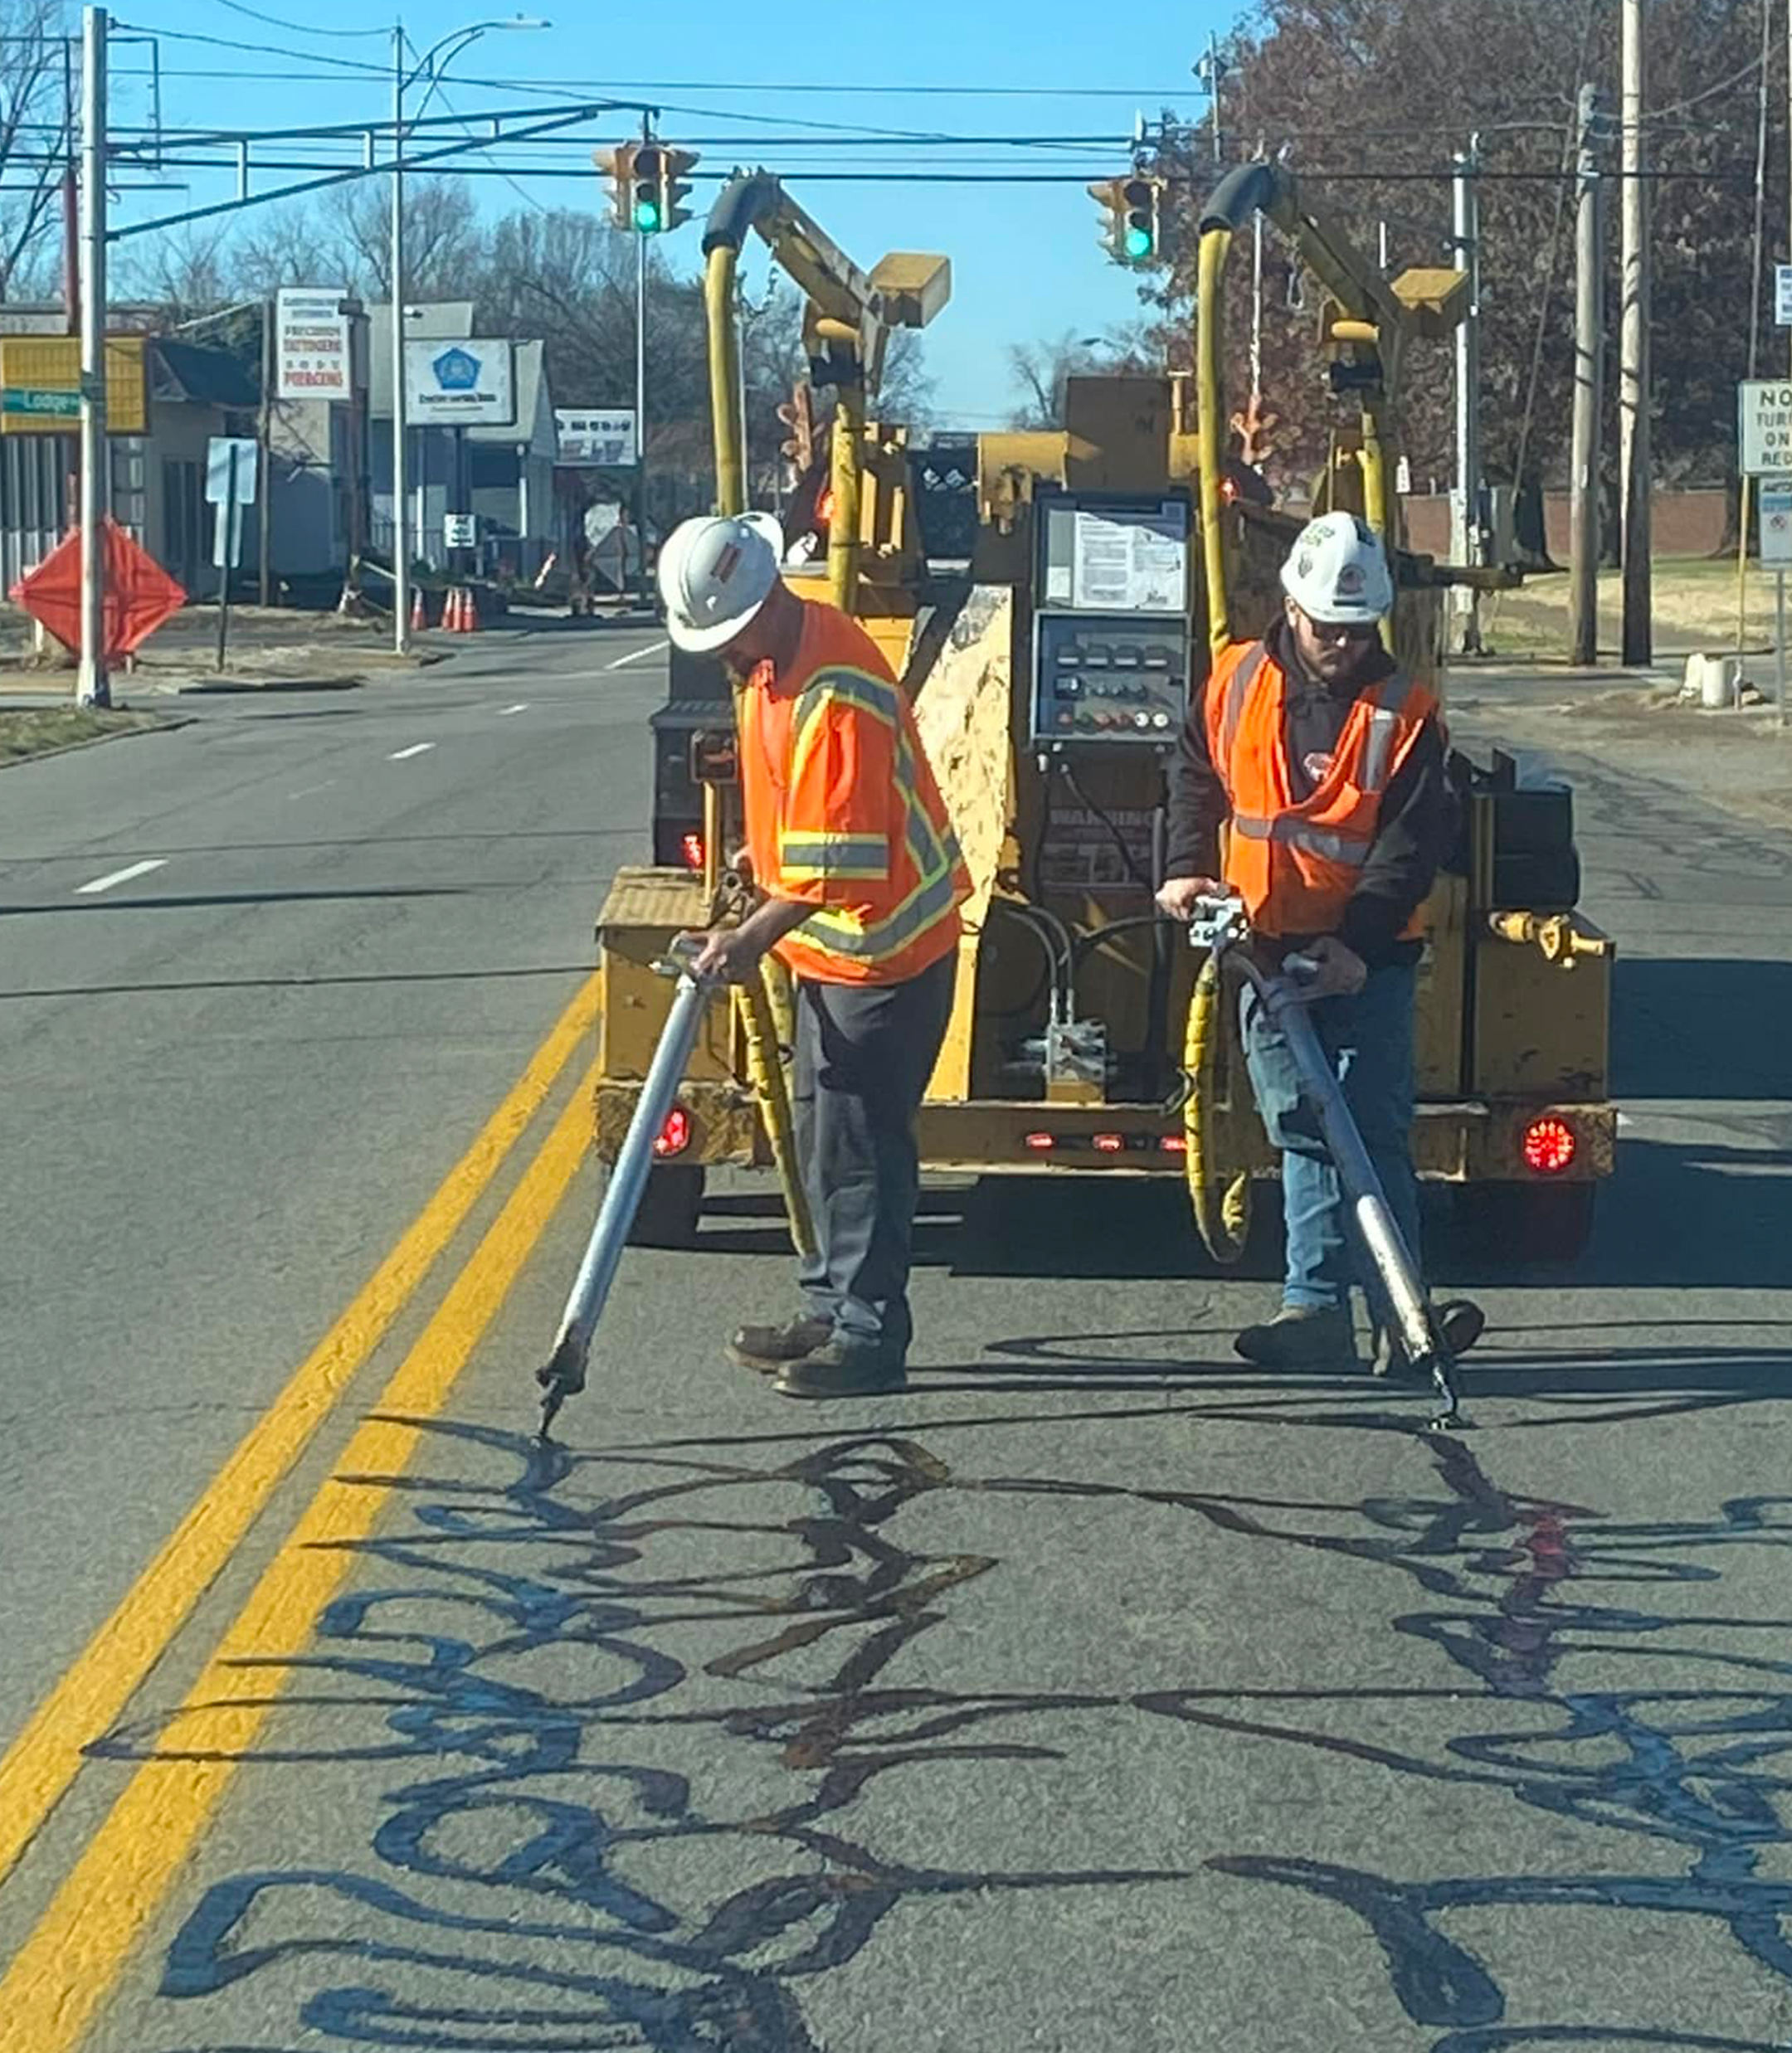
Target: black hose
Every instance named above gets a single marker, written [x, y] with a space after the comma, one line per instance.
[1053, 937]
[738, 205]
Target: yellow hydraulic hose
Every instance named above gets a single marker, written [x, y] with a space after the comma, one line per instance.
[1222, 1208]
[765, 1067]
[725, 378]
[1209, 420]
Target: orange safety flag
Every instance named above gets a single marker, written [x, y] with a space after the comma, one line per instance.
[1296, 863]
[843, 813]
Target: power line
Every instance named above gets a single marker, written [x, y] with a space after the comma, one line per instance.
[296, 28]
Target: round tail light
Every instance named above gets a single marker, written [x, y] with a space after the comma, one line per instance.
[673, 1137]
[1550, 1146]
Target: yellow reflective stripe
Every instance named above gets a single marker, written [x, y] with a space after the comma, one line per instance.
[857, 689]
[841, 935]
[814, 858]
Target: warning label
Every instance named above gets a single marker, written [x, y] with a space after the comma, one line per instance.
[1082, 853]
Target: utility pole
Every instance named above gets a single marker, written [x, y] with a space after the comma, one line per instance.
[1634, 439]
[1590, 358]
[92, 688]
[400, 545]
[640, 395]
[1212, 70]
[1469, 539]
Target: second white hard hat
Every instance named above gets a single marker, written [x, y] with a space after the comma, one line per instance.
[715, 573]
[1337, 572]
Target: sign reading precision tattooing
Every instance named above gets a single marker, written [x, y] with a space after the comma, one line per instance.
[311, 351]
[595, 438]
[1764, 428]
[459, 384]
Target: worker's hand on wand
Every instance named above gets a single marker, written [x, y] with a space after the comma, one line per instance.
[1177, 895]
[726, 954]
[741, 863]
[1341, 971]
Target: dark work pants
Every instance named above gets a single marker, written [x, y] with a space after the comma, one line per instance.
[863, 1058]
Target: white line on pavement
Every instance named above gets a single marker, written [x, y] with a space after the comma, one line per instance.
[122, 876]
[635, 655]
[505, 712]
[404, 755]
[309, 790]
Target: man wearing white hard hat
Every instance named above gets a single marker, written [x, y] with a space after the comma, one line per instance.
[851, 846]
[1326, 764]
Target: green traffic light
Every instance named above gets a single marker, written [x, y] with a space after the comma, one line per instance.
[647, 216]
[1138, 245]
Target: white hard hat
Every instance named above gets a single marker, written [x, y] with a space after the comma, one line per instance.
[1337, 572]
[715, 572]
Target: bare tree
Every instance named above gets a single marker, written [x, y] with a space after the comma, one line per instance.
[35, 135]
[1041, 370]
[444, 244]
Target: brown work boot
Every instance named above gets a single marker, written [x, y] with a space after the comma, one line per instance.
[1301, 1336]
[769, 1348]
[843, 1368]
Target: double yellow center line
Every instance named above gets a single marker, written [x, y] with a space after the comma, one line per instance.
[64, 1968]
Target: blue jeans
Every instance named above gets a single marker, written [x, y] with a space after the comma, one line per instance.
[1370, 1040]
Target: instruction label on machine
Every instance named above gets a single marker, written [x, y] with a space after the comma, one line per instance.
[1133, 563]
[1079, 854]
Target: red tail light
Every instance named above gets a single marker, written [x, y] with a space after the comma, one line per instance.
[1109, 1143]
[1550, 1145]
[673, 1137]
[691, 847]
[824, 506]
[1173, 1143]
[1041, 1143]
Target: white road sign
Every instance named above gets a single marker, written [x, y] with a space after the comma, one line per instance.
[458, 384]
[1764, 428]
[595, 438]
[1776, 500]
[311, 356]
[1783, 295]
[221, 489]
[457, 531]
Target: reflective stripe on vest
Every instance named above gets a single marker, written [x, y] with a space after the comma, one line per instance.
[1238, 690]
[1384, 723]
[1293, 832]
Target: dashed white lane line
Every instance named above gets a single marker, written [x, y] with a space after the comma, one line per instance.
[121, 876]
[505, 712]
[309, 790]
[404, 755]
[635, 655]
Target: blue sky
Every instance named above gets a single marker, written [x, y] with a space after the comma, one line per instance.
[1025, 259]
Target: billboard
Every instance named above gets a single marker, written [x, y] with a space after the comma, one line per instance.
[459, 383]
[311, 354]
[595, 438]
[40, 385]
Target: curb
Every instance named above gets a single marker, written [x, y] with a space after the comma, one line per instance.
[157, 726]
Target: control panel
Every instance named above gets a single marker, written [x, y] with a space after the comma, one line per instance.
[1111, 621]
[1110, 678]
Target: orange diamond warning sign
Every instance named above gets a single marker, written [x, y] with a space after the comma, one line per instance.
[140, 594]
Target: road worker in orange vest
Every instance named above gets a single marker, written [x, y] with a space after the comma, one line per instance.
[850, 845]
[1325, 763]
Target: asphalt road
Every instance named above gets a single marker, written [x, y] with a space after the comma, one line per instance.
[1092, 1695]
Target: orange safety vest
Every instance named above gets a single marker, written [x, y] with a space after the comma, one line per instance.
[1296, 862]
[843, 812]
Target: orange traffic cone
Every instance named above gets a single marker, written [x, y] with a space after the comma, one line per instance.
[451, 608]
[419, 617]
[469, 612]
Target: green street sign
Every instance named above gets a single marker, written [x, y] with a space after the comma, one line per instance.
[31, 399]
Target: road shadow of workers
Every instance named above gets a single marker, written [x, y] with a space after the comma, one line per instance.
[860, 878]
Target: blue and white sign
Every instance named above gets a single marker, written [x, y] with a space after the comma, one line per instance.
[458, 384]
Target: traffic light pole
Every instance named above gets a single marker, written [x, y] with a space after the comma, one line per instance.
[92, 687]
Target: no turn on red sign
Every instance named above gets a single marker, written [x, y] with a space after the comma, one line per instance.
[1764, 428]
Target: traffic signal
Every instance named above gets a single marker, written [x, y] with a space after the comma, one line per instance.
[1132, 231]
[798, 416]
[656, 189]
[619, 165]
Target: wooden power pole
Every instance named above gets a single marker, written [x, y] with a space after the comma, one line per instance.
[1635, 468]
[1589, 388]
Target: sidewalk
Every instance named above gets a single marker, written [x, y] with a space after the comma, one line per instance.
[268, 649]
